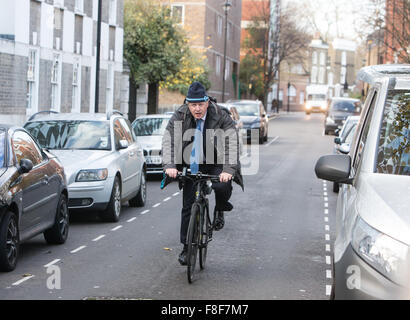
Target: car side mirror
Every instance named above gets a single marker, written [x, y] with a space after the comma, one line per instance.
[337, 140]
[344, 148]
[25, 166]
[334, 168]
[264, 115]
[337, 132]
[123, 144]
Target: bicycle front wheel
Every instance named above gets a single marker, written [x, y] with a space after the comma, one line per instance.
[193, 241]
[205, 229]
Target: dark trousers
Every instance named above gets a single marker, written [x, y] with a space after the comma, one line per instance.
[222, 190]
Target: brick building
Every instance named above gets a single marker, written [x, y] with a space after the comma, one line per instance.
[397, 34]
[48, 57]
[204, 22]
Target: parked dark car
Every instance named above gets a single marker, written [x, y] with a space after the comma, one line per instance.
[253, 115]
[339, 110]
[33, 194]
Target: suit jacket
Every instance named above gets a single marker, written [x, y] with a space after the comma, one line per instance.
[221, 141]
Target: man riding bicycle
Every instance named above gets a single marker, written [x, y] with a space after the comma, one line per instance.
[202, 136]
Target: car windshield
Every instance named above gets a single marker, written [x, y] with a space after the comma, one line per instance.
[249, 109]
[347, 128]
[60, 134]
[150, 126]
[2, 147]
[350, 134]
[346, 106]
[393, 155]
[316, 97]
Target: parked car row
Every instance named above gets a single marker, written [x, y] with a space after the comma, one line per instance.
[63, 161]
[372, 247]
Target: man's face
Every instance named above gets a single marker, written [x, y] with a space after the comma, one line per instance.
[198, 109]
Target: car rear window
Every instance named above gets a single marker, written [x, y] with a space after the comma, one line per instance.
[346, 106]
[251, 109]
[150, 126]
[393, 155]
[83, 135]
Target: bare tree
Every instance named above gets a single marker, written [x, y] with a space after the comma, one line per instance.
[387, 22]
[293, 43]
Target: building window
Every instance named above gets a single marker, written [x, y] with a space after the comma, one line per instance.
[343, 60]
[56, 82]
[113, 12]
[301, 97]
[227, 69]
[321, 75]
[76, 102]
[32, 80]
[178, 13]
[322, 58]
[218, 65]
[110, 87]
[79, 5]
[342, 75]
[314, 75]
[314, 57]
[292, 91]
[219, 25]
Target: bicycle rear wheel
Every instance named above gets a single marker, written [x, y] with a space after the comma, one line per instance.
[205, 228]
[193, 241]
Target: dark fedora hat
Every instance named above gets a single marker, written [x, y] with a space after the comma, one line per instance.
[196, 93]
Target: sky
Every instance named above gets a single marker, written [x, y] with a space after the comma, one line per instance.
[324, 12]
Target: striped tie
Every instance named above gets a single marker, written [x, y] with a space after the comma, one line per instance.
[196, 149]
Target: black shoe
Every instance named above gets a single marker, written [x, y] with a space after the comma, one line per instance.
[226, 207]
[219, 221]
[182, 256]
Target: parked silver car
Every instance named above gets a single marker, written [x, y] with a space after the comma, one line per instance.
[103, 162]
[372, 247]
[149, 130]
[344, 140]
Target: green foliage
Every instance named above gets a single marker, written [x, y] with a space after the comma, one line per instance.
[251, 76]
[194, 67]
[153, 45]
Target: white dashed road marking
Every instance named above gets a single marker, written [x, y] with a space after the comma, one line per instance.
[116, 228]
[132, 219]
[166, 199]
[52, 262]
[22, 280]
[99, 237]
[156, 205]
[78, 249]
[145, 211]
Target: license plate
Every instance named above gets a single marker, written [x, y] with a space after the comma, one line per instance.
[154, 160]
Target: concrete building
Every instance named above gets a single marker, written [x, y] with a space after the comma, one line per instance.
[48, 57]
[204, 22]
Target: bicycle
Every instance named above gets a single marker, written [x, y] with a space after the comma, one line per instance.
[200, 226]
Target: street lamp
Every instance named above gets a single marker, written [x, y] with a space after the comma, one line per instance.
[288, 94]
[226, 6]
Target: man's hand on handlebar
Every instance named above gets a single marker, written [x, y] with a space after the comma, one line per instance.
[171, 172]
[225, 177]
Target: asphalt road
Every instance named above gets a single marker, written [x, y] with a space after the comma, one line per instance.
[276, 243]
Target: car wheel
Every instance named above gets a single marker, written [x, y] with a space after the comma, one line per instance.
[9, 242]
[335, 187]
[113, 211]
[141, 197]
[58, 233]
[307, 113]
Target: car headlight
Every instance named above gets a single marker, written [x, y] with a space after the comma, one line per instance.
[92, 175]
[385, 254]
[308, 106]
[329, 120]
[323, 106]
